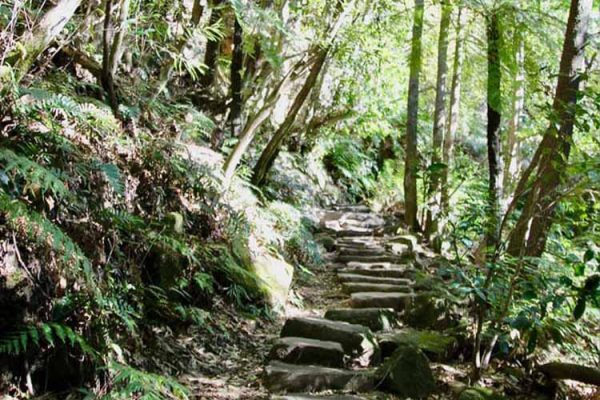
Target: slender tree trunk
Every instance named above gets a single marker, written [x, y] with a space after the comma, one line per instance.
[237, 61]
[530, 233]
[494, 112]
[270, 152]
[454, 114]
[411, 162]
[117, 42]
[439, 121]
[39, 38]
[511, 160]
[251, 127]
[212, 47]
[107, 77]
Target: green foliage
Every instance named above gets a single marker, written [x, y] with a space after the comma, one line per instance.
[129, 382]
[45, 334]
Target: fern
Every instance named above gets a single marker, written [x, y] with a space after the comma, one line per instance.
[35, 175]
[40, 230]
[130, 382]
[48, 333]
[113, 176]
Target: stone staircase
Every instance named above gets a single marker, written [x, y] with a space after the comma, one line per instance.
[342, 351]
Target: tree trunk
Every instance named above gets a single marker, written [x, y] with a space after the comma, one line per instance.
[39, 38]
[454, 114]
[494, 110]
[117, 42]
[212, 48]
[237, 61]
[511, 160]
[251, 127]
[411, 159]
[528, 238]
[270, 152]
[580, 373]
[439, 122]
[107, 77]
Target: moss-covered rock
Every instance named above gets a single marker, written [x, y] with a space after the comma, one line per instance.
[479, 393]
[407, 373]
[437, 346]
[275, 278]
[328, 242]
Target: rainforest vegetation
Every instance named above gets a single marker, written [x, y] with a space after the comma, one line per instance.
[178, 178]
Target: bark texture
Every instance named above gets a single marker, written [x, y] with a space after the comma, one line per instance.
[439, 122]
[528, 238]
[411, 161]
[39, 38]
[454, 114]
[212, 47]
[494, 113]
[237, 62]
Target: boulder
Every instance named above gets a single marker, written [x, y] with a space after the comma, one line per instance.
[374, 279]
[282, 377]
[356, 287]
[397, 301]
[426, 312]
[356, 340]
[275, 278]
[407, 373]
[408, 240]
[297, 350]
[376, 319]
[328, 243]
[436, 346]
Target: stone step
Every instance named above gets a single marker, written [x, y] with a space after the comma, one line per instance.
[397, 272]
[374, 279]
[356, 208]
[356, 340]
[282, 377]
[297, 350]
[397, 301]
[391, 258]
[377, 319]
[355, 232]
[361, 252]
[356, 287]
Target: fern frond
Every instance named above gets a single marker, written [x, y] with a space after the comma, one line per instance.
[42, 231]
[17, 342]
[34, 174]
[130, 382]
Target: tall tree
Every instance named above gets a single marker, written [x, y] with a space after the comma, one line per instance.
[439, 121]
[454, 114]
[319, 55]
[411, 161]
[494, 113]
[518, 100]
[237, 62]
[269, 154]
[529, 236]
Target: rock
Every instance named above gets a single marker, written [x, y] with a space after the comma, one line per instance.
[408, 240]
[355, 287]
[397, 301]
[296, 350]
[374, 279]
[353, 232]
[328, 243]
[426, 312]
[275, 278]
[479, 393]
[361, 252]
[408, 374]
[356, 340]
[376, 319]
[389, 272]
[282, 377]
[436, 346]
[399, 249]
[355, 208]
[370, 258]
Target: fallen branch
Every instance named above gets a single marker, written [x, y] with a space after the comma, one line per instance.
[575, 372]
